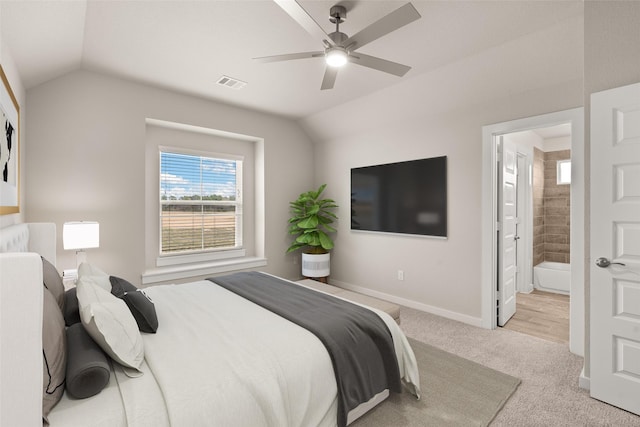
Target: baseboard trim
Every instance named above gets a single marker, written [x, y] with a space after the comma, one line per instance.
[470, 320]
[584, 381]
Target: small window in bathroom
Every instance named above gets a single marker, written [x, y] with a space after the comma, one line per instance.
[564, 172]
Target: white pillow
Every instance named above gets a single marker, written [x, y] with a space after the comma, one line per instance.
[92, 274]
[108, 320]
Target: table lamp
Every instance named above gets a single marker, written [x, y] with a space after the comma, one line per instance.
[80, 235]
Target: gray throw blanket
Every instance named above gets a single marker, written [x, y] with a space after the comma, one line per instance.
[357, 340]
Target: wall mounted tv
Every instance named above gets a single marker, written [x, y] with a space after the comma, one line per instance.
[406, 197]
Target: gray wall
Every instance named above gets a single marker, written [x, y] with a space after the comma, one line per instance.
[435, 114]
[86, 161]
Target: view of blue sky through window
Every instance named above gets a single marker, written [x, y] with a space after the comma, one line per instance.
[189, 177]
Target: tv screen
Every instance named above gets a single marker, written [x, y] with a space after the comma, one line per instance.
[406, 197]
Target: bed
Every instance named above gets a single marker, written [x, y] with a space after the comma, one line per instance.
[217, 358]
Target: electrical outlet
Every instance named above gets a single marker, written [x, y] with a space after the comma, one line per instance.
[401, 275]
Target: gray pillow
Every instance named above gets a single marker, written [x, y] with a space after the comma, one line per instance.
[138, 302]
[88, 368]
[120, 286]
[54, 353]
[71, 309]
[53, 282]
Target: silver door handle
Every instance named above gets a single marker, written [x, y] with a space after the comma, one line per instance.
[604, 262]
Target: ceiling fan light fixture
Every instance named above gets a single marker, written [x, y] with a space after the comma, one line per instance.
[336, 57]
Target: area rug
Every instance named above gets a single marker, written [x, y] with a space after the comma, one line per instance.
[455, 392]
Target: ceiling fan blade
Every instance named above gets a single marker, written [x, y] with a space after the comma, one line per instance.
[379, 64]
[391, 22]
[305, 20]
[329, 78]
[289, 56]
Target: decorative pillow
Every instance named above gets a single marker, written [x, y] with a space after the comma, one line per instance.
[138, 302]
[53, 282]
[54, 353]
[119, 286]
[87, 366]
[92, 274]
[71, 310]
[110, 323]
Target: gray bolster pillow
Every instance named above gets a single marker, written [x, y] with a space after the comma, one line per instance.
[87, 366]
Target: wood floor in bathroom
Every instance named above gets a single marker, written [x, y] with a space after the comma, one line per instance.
[543, 315]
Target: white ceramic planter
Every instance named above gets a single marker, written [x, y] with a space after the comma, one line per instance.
[316, 265]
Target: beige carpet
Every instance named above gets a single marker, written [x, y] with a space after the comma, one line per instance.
[455, 392]
[548, 395]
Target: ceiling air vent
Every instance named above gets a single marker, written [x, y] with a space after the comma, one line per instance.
[231, 82]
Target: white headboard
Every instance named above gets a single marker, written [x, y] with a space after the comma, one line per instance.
[21, 294]
[39, 237]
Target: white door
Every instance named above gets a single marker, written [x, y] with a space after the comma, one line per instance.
[507, 235]
[615, 247]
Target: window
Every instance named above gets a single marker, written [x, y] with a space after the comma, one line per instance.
[564, 172]
[204, 202]
[200, 203]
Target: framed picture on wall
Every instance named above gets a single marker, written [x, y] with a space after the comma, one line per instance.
[9, 149]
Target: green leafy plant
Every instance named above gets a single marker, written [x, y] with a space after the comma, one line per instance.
[310, 222]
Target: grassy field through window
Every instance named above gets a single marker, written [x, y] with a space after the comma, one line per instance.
[189, 231]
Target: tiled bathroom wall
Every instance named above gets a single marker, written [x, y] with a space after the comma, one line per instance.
[557, 209]
[551, 209]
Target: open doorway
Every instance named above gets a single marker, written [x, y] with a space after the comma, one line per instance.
[493, 136]
[541, 238]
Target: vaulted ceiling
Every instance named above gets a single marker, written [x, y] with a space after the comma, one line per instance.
[187, 46]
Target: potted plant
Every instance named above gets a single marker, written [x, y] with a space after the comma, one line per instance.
[310, 222]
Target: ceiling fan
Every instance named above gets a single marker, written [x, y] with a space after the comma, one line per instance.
[338, 47]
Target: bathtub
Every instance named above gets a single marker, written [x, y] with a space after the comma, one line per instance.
[552, 277]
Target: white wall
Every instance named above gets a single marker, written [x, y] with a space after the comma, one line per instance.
[86, 161]
[557, 144]
[440, 113]
[15, 82]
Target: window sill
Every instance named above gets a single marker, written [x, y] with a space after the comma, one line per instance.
[174, 272]
[200, 258]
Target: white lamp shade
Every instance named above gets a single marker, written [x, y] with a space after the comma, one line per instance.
[81, 235]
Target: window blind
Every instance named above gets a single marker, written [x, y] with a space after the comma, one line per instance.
[200, 203]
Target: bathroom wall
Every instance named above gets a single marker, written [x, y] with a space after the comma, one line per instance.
[538, 206]
[557, 210]
[551, 208]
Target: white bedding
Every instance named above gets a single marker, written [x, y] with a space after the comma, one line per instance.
[253, 369]
[218, 359]
[124, 402]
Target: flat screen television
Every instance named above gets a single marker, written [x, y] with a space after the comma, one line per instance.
[406, 197]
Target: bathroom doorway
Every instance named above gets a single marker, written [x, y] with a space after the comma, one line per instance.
[534, 171]
[542, 234]
[564, 249]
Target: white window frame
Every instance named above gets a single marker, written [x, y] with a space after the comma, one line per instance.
[559, 166]
[203, 255]
[253, 209]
